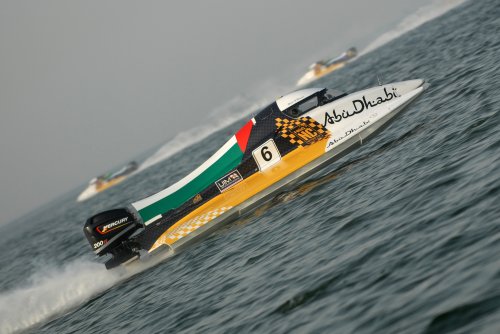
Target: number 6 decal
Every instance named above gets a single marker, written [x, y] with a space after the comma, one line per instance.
[266, 155]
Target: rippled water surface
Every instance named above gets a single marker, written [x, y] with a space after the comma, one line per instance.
[401, 235]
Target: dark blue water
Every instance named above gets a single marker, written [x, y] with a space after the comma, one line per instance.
[400, 236]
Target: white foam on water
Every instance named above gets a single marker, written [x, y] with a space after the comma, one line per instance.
[51, 291]
[429, 12]
[233, 110]
[55, 290]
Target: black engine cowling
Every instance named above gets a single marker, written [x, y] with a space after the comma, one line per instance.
[108, 232]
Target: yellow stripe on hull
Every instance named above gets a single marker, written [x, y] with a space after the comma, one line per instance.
[241, 192]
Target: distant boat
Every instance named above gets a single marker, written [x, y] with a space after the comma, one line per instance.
[105, 181]
[323, 67]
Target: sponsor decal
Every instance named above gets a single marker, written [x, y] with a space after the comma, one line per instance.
[228, 180]
[111, 226]
[332, 142]
[302, 132]
[100, 243]
[266, 155]
[197, 199]
[359, 106]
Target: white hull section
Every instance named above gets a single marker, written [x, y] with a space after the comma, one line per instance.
[87, 193]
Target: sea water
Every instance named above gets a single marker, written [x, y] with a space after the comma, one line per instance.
[400, 236]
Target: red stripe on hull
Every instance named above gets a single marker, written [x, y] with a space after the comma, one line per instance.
[243, 135]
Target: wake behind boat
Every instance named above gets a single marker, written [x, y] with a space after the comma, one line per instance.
[288, 140]
[105, 181]
[323, 67]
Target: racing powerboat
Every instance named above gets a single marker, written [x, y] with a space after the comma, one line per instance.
[323, 67]
[105, 181]
[290, 139]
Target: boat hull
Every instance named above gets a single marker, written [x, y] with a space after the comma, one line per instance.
[299, 164]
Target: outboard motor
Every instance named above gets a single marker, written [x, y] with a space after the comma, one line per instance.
[108, 232]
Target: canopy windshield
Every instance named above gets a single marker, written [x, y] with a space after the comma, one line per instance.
[332, 95]
[322, 97]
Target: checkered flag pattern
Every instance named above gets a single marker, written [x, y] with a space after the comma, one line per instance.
[302, 132]
[195, 223]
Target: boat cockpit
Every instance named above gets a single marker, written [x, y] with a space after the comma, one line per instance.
[317, 99]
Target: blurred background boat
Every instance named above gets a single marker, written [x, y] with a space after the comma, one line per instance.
[105, 181]
[323, 67]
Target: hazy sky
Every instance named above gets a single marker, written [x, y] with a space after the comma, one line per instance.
[87, 85]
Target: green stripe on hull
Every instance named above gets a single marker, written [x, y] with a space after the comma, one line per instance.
[230, 160]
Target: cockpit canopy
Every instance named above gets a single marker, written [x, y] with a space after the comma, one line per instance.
[300, 102]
